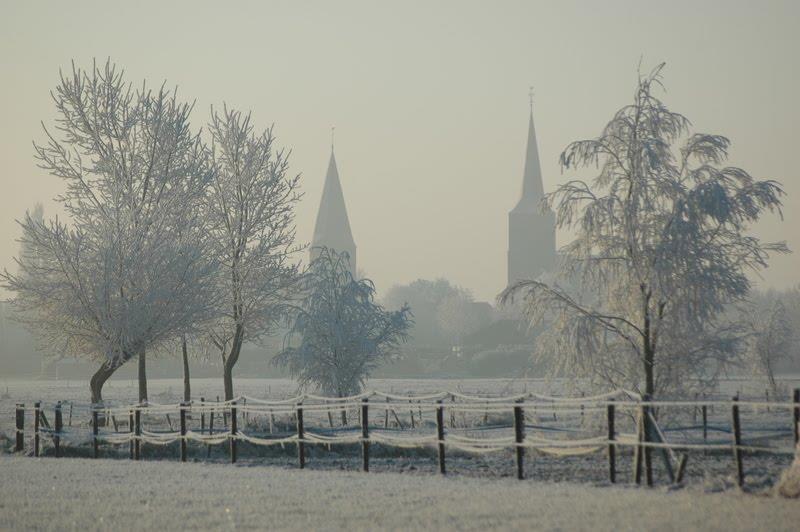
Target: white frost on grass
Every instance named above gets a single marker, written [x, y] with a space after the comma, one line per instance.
[81, 494]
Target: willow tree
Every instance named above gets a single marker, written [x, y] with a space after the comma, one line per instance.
[249, 216]
[127, 269]
[339, 335]
[662, 245]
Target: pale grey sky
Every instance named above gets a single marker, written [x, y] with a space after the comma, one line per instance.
[429, 100]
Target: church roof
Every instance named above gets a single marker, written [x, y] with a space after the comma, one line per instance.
[532, 187]
[332, 228]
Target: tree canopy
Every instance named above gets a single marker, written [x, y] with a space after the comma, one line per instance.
[662, 245]
[339, 335]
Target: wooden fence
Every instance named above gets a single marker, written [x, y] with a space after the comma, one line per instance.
[645, 436]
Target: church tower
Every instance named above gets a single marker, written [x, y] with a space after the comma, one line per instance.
[332, 229]
[531, 232]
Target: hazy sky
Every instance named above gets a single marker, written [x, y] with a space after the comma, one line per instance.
[429, 100]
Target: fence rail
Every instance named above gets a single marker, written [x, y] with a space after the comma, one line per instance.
[530, 421]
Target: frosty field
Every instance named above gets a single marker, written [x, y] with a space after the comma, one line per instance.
[79, 494]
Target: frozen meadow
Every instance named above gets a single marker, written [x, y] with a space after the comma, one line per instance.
[79, 494]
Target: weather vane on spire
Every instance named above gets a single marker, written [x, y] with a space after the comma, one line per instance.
[333, 129]
[530, 97]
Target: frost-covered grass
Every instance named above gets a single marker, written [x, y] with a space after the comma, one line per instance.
[78, 494]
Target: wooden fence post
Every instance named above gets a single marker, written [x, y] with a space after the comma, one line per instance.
[137, 442]
[301, 447]
[440, 434]
[132, 432]
[20, 424]
[519, 438]
[95, 432]
[386, 415]
[796, 416]
[70, 414]
[37, 413]
[184, 406]
[648, 451]
[365, 434]
[234, 434]
[202, 415]
[330, 415]
[411, 411]
[612, 449]
[639, 450]
[210, 429]
[705, 424]
[59, 425]
[737, 442]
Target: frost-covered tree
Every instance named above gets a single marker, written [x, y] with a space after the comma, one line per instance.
[339, 335]
[661, 247]
[128, 268]
[434, 303]
[250, 219]
[26, 252]
[772, 338]
[458, 315]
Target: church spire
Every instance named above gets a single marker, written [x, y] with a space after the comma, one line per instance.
[332, 228]
[531, 231]
[532, 187]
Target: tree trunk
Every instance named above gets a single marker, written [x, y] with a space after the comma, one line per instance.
[649, 346]
[230, 362]
[99, 379]
[187, 386]
[142, 377]
[649, 377]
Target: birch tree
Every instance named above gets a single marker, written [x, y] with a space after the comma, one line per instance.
[339, 335]
[127, 269]
[662, 245]
[250, 220]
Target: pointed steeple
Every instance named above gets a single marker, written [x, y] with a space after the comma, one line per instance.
[332, 229]
[531, 231]
[532, 187]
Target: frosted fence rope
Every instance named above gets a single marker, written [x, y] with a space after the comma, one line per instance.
[320, 438]
[207, 439]
[266, 441]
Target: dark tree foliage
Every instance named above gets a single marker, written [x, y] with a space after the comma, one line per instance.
[339, 335]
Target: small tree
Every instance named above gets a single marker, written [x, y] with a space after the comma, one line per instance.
[250, 219]
[129, 269]
[772, 338]
[339, 335]
[661, 248]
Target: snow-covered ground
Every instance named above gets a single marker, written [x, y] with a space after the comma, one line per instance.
[80, 494]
